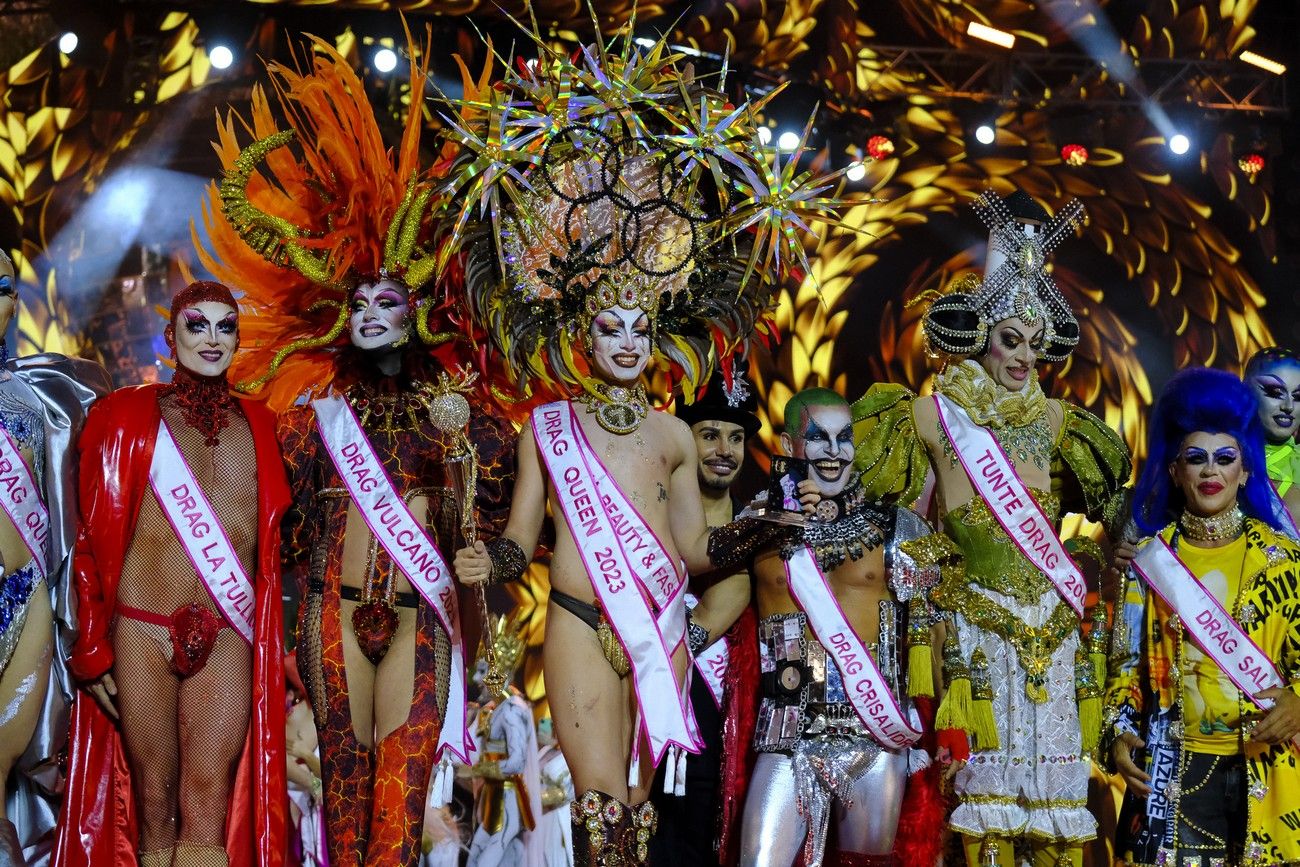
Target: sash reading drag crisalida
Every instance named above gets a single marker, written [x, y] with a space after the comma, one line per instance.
[624, 560]
[712, 662]
[1215, 632]
[21, 501]
[201, 535]
[407, 543]
[994, 478]
[863, 681]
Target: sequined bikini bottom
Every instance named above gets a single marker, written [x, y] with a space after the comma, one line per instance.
[193, 630]
[595, 618]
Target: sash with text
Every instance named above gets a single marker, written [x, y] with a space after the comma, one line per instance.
[406, 541]
[199, 530]
[712, 662]
[994, 479]
[21, 500]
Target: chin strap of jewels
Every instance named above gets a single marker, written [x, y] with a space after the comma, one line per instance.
[449, 411]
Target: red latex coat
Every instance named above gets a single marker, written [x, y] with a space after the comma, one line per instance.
[97, 825]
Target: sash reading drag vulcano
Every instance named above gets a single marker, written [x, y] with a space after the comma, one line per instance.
[1215, 632]
[994, 479]
[201, 535]
[627, 566]
[863, 682]
[21, 500]
[407, 543]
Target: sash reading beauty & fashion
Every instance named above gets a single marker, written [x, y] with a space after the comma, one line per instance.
[21, 500]
[201, 535]
[407, 543]
[1213, 630]
[995, 480]
[624, 559]
[863, 681]
[712, 661]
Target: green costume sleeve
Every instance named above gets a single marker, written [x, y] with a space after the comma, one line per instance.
[887, 450]
[1090, 469]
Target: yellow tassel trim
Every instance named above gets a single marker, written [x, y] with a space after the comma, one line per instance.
[983, 728]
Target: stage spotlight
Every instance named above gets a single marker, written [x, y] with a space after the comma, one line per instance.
[787, 141]
[765, 135]
[1262, 62]
[68, 42]
[985, 134]
[880, 146]
[385, 60]
[1074, 155]
[1179, 143]
[990, 34]
[1251, 164]
[856, 172]
[220, 56]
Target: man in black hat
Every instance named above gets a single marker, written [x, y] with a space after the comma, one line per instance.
[722, 421]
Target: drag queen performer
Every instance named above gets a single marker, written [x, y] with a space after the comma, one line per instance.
[998, 450]
[1273, 375]
[179, 647]
[509, 802]
[1202, 699]
[623, 244]
[376, 498]
[843, 614]
[43, 401]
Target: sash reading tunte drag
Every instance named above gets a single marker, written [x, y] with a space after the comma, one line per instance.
[1211, 627]
[994, 478]
[201, 535]
[407, 543]
[863, 682]
[21, 500]
[712, 662]
[624, 560]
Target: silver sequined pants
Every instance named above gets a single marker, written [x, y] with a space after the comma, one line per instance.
[775, 824]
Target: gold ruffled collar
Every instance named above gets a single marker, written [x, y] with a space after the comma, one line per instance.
[987, 403]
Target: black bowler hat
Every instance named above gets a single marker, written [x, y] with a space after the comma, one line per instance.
[719, 403]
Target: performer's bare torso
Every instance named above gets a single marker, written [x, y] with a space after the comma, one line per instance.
[642, 463]
[953, 486]
[859, 587]
[157, 574]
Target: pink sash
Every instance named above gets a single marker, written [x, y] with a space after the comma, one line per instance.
[1207, 623]
[712, 661]
[863, 681]
[201, 535]
[995, 480]
[629, 570]
[21, 500]
[405, 540]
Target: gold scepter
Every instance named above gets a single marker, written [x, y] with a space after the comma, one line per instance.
[449, 411]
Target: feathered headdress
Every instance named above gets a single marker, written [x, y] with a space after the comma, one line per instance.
[305, 213]
[615, 177]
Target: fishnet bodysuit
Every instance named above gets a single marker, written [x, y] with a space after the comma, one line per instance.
[183, 737]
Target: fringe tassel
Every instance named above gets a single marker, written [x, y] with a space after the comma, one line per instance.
[955, 709]
[983, 728]
[920, 661]
[1088, 693]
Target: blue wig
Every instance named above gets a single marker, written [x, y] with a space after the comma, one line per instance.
[1206, 401]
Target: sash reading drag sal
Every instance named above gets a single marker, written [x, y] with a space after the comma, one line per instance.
[406, 542]
[1215, 632]
[994, 478]
[863, 682]
[201, 535]
[623, 559]
[712, 663]
[21, 501]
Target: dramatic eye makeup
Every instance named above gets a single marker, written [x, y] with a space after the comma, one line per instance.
[195, 321]
[229, 324]
[1223, 457]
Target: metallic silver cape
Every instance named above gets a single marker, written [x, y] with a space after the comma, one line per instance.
[63, 388]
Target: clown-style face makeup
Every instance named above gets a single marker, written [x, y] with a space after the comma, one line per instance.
[206, 335]
[1013, 352]
[720, 446]
[8, 293]
[379, 315]
[1277, 394]
[1209, 470]
[620, 345]
[825, 440]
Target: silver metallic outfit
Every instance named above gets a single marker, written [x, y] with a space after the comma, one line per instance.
[815, 752]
